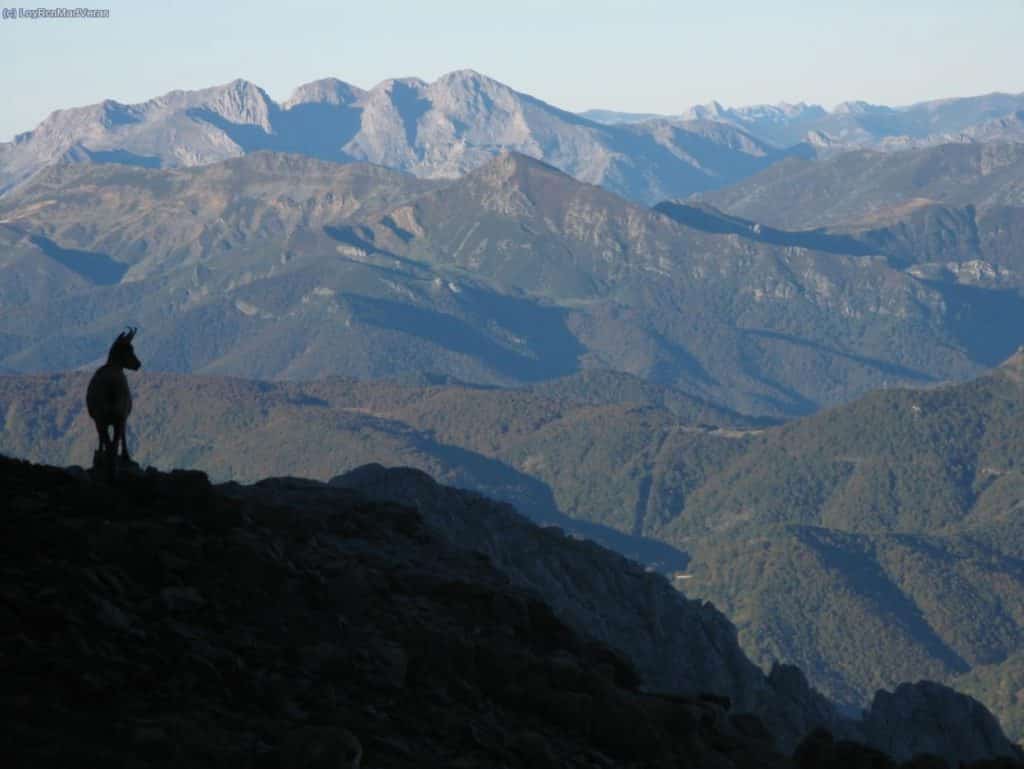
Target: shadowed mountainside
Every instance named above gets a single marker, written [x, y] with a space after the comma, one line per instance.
[379, 615]
[325, 630]
[867, 186]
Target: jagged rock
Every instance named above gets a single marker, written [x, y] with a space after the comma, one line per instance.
[927, 717]
[457, 122]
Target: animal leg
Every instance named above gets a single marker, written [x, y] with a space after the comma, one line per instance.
[105, 455]
[104, 436]
[120, 434]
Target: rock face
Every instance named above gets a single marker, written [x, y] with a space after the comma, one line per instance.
[457, 122]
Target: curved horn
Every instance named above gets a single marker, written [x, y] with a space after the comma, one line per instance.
[131, 333]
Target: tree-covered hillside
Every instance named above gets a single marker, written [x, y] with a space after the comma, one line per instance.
[871, 544]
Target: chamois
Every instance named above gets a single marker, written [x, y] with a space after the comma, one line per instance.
[109, 400]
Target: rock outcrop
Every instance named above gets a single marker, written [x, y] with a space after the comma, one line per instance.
[164, 622]
[926, 717]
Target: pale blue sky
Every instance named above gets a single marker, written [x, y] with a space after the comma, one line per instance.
[633, 55]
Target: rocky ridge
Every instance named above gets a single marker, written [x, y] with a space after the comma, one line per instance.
[859, 124]
[167, 623]
[436, 130]
[270, 624]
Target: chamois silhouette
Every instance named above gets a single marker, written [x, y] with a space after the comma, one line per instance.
[110, 401]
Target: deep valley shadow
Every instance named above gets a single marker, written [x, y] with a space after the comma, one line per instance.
[890, 369]
[988, 323]
[125, 158]
[709, 219]
[534, 499]
[549, 349]
[320, 130]
[95, 267]
[866, 577]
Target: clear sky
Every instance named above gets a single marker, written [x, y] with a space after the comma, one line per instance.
[633, 55]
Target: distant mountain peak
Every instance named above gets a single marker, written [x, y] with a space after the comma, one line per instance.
[328, 90]
[241, 101]
[465, 75]
[1015, 363]
[408, 82]
[241, 84]
[510, 165]
[860, 108]
[709, 111]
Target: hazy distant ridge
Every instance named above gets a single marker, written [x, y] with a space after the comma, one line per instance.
[859, 124]
[437, 130]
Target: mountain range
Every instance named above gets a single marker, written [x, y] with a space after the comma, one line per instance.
[515, 273]
[859, 124]
[456, 123]
[434, 130]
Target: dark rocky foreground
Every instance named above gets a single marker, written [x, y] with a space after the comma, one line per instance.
[164, 621]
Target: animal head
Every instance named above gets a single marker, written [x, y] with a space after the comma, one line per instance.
[121, 352]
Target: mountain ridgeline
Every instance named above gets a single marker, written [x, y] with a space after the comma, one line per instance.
[858, 124]
[867, 188]
[433, 130]
[461, 120]
[370, 601]
[513, 274]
